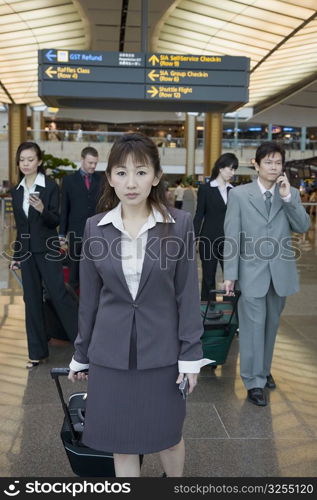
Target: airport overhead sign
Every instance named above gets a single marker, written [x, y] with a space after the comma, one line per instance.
[142, 81]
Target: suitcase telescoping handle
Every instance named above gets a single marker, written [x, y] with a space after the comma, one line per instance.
[55, 374]
[17, 277]
[236, 296]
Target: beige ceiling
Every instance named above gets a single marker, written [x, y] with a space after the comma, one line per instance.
[27, 26]
[298, 110]
[279, 36]
[104, 17]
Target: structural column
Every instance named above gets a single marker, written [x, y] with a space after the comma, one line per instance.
[269, 131]
[38, 124]
[212, 140]
[190, 140]
[17, 134]
[236, 131]
[303, 139]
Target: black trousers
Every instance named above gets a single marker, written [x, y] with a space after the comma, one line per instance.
[36, 270]
[74, 251]
[211, 252]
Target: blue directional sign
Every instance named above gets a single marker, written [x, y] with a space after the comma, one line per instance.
[93, 58]
[141, 81]
[50, 55]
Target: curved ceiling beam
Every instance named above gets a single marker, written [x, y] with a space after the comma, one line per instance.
[296, 30]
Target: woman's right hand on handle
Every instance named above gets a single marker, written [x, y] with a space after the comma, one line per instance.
[228, 285]
[75, 376]
[14, 265]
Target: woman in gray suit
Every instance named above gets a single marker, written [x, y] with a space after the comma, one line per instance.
[139, 317]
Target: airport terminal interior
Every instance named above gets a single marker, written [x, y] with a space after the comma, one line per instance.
[225, 435]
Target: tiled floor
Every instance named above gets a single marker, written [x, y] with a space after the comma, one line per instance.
[225, 435]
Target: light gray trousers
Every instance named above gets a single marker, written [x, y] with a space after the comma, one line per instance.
[258, 323]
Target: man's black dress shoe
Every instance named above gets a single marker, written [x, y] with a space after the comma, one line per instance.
[257, 396]
[270, 382]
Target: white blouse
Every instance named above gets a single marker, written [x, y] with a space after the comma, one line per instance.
[222, 189]
[133, 252]
[39, 181]
[132, 249]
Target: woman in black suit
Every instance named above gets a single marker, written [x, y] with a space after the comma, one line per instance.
[35, 203]
[210, 216]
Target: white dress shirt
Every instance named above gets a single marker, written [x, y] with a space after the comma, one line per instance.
[39, 181]
[179, 193]
[132, 257]
[222, 189]
[272, 191]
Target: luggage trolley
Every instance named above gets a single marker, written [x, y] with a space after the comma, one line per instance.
[220, 323]
[84, 461]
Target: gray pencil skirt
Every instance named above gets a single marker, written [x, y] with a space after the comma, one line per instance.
[133, 411]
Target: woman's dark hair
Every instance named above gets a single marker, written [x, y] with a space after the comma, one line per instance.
[269, 148]
[142, 151]
[225, 160]
[30, 145]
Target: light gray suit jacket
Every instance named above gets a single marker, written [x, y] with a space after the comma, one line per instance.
[258, 247]
[167, 306]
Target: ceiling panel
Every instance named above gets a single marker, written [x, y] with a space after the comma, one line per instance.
[198, 20]
[280, 38]
[27, 26]
[187, 27]
[105, 16]
[252, 28]
[243, 15]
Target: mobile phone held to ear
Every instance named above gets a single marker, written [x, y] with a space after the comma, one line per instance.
[282, 174]
[184, 387]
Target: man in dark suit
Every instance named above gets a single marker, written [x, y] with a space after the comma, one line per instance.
[80, 194]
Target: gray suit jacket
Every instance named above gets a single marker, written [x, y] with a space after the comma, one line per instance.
[259, 247]
[166, 309]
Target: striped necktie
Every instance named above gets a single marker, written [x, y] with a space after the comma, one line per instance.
[87, 181]
[268, 196]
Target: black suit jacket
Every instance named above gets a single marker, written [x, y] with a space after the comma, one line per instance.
[210, 213]
[34, 231]
[78, 203]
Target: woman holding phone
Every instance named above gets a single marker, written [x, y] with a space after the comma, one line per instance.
[35, 202]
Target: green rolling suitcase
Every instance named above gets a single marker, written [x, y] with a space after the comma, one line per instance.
[220, 324]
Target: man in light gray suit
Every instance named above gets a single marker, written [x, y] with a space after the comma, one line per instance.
[260, 256]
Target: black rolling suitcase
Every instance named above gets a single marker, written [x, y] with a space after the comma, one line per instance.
[53, 326]
[84, 461]
[220, 322]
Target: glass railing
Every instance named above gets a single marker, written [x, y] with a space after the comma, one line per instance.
[99, 136]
